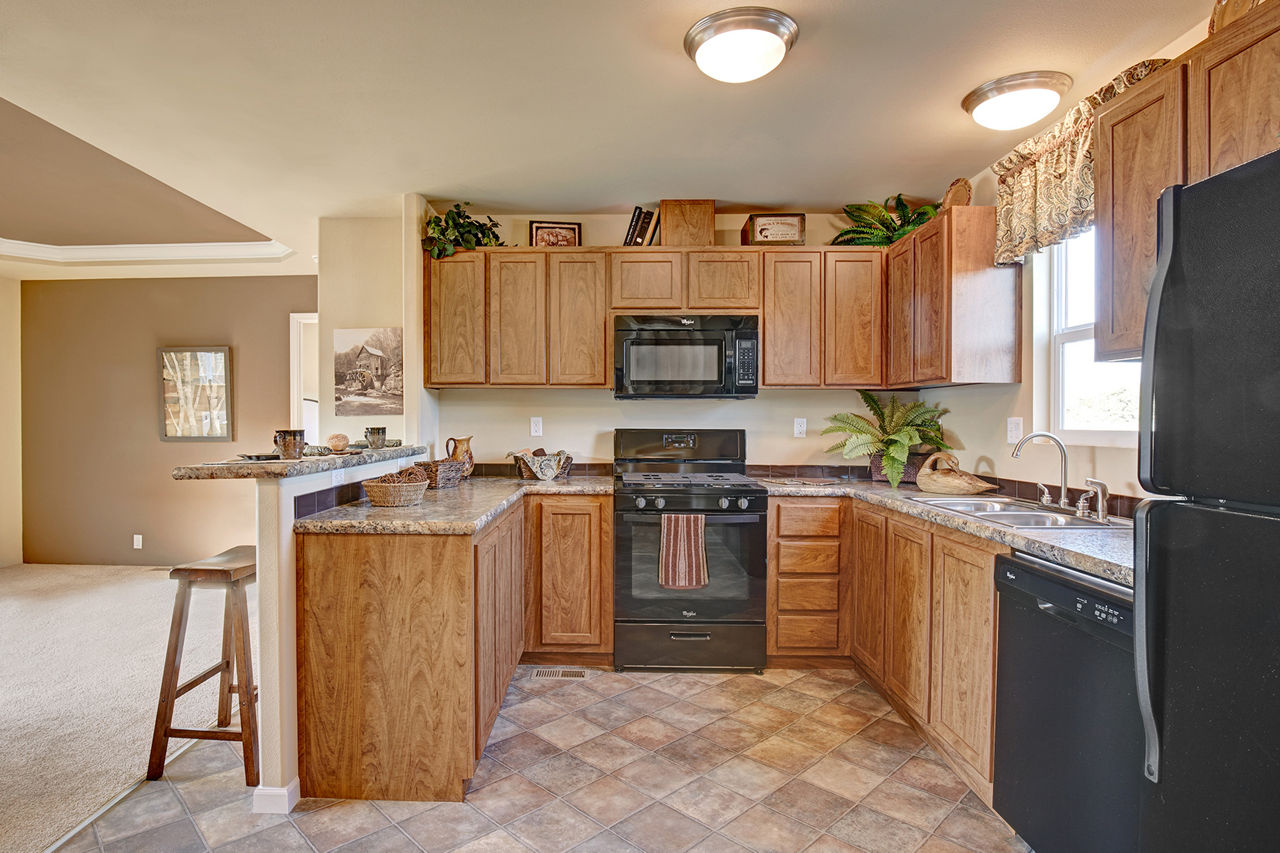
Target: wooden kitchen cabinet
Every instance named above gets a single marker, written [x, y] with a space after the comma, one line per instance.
[808, 604]
[499, 621]
[518, 318]
[647, 280]
[954, 317]
[853, 327]
[908, 602]
[792, 333]
[577, 285]
[867, 627]
[724, 280]
[568, 595]
[456, 324]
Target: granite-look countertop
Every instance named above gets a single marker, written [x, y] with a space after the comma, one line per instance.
[1105, 553]
[447, 512]
[274, 470]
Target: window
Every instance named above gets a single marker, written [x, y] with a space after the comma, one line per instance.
[1093, 403]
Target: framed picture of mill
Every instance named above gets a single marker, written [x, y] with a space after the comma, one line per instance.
[368, 372]
[195, 393]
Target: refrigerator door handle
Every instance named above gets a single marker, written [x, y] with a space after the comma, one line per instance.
[1141, 647]
[1165, 214]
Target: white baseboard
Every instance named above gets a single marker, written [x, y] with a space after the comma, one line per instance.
[276, 800]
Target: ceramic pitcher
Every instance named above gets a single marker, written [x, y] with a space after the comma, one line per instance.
[459, 450]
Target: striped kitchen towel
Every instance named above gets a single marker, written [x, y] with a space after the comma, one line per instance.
[683, 562]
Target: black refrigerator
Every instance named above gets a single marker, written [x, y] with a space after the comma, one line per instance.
[1207, 564]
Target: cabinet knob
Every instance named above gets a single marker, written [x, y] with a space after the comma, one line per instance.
[659, 502]
[640, 503]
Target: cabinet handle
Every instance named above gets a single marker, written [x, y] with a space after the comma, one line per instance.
[685, 635]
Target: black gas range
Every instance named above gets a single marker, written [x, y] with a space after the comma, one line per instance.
[688, 483]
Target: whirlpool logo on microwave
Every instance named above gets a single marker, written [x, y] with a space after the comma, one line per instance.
[689, 614]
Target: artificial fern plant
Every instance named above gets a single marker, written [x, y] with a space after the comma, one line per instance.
[458, 229]
[896, 429]
[875, 225]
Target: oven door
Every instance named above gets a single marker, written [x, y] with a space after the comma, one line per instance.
[735, 546]
[673, 363]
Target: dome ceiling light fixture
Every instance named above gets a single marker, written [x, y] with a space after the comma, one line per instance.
[1017, 100]
[740, 44]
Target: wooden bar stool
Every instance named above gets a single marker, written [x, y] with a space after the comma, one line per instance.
[231, 570]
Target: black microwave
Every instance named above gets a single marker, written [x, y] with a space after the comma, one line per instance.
[686, 356]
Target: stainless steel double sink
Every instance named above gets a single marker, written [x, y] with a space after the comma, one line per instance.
[1019, 514]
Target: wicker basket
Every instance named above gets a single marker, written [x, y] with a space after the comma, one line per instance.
[394, 494]
[444, 473]
[526, 473]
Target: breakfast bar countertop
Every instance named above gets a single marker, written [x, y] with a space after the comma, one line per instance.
[246, 469]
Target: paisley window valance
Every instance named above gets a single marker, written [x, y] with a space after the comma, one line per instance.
[1044, 187]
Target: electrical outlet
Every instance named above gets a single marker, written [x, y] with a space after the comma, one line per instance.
[137, 541]
[535, 426]
[801, 428]
[1013, 430]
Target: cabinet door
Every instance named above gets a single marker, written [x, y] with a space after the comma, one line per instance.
[1234, 95]
[515, 600]
[854, 340]
[457, 328]
[647, 279]
[518, 319]
[900, 294]
[724, 280]
[579, 312]
[931, 333]
[571, 572]
[792, 318]
[1138, 151]
[487, 667]
[964, 650]
[869, 590]
[909, 569]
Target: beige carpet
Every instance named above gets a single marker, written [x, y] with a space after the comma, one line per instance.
[81, 650]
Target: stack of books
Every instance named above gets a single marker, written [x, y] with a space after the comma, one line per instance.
[643, 229]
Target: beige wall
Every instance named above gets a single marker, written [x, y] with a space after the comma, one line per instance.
[11, 421]
[95, 471]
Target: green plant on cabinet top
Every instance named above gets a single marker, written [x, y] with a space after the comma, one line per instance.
[457, 229]
[877, 225]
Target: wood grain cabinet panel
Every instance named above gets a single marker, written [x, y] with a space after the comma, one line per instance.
[1138, 151]
[792, 319]
[808, 634]
[518, 318]
[931, 339]
[456, 325]
[488, 618]
[569, 574]
[809, 517]
[868, 580]
[725, 280]
[963, 660]
[577, 285]
[809, 594]
[808, 602]
[900, 276]
[908, 596]
[854, 319]
[817, 556]
[647, 279]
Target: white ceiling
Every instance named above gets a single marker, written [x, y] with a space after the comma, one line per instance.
[279, 113]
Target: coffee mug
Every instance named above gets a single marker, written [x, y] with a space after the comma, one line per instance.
[376, 436]
[291, 443]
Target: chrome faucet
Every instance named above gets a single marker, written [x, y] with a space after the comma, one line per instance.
[1044, 493]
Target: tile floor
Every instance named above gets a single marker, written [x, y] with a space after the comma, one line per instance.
[793, 760]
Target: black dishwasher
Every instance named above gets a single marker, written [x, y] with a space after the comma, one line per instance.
[1068, 739]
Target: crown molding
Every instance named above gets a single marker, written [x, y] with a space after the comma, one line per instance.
[269, 250]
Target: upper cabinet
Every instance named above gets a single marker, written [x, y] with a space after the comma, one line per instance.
[579, 314]
[456, 322]
[647, 280]
[518, 319]
[792, 319]
[724, 280]
[1215, 107]
[953, 316]
[853, 316]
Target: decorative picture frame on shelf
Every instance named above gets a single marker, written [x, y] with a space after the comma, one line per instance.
[547, 234]
[195, 394]
[773, 229]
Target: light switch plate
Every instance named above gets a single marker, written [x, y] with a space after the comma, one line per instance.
[137, 541]
[535, 426]
[801, 428]
[338, 477]
[1013, 430]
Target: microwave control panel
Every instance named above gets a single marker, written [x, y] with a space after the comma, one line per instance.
[746, 360]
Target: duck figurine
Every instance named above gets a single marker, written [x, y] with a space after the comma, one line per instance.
[949, 480]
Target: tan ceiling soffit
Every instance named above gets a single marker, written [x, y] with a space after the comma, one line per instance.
[268, 250]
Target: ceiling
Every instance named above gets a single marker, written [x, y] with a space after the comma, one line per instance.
[279, 112]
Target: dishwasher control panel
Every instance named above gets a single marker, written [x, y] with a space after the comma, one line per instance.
[1066, 593]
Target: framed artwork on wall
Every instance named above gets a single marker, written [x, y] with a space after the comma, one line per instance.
[195, 393]
[555, 233]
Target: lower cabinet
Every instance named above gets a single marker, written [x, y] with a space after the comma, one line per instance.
[868, 583]
[909, 589]
[568, 593]
[499, 603]
[808, 598]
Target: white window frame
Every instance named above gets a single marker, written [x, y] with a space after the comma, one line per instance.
[1059, 336]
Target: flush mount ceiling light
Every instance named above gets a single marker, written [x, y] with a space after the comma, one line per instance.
[740, 44]
[1017, 100]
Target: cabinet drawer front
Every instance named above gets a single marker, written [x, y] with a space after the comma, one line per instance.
[648, 280]
[808, 594]
[809, 518]
[809, 558]
[724, 279]
[808, 632]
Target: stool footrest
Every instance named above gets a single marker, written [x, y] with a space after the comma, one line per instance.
[203, 734]
[193, 683]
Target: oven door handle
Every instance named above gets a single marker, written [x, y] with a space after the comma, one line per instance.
[635, 517]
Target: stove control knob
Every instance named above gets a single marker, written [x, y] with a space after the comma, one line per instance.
[743, 503]
[659, 502]
[724, 503]
[640, 502]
